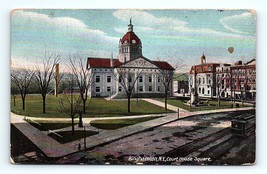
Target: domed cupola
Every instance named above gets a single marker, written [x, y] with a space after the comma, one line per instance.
[130, 46]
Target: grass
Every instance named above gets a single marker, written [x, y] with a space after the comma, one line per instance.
[118, 123]
[212, 104]
[98, 107]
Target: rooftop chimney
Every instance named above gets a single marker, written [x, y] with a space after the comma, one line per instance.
[111, 61]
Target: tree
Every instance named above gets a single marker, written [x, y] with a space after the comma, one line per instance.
[70, 104]
[127, 78]
[223, 78]
[165, 76]
[82, 77]
[44, 73]
[21, 79]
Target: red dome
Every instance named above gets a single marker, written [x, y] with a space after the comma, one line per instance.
[130, 37]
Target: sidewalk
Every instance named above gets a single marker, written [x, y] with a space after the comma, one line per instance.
[50, 147]
[161, 104]
[54, 149]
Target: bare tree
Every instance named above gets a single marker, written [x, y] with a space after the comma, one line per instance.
[21, 79]
[70, 104]
[82, 76]
[45, 73]
[165, 76]
[222, 82]
[127, 78]
[219, 83]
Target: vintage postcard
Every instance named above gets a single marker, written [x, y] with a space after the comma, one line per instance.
[128, 87]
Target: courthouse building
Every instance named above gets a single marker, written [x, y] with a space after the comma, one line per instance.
[145, 77]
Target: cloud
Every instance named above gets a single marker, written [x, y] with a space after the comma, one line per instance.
[163, 26]
[65, 23]
[242, 24]
[34, 33]
[146, 19]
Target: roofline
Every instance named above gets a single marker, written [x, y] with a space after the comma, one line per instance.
[146, 60]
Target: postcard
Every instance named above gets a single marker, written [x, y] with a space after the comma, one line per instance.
[133, 86]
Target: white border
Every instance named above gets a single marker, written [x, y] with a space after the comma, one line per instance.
[258, 5]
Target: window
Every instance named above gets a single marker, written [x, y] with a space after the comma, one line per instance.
[208, 91]
[97, 89]
[150, 88]
[120, 88]
[141, 79]
[203, 80]
[108, 79]
[199, 80]
[140, 88]
[158, 88]
[149, 79]
[108, 89]
[120, 79]
[158, 79]
[209, 81]
[97, 79]
[199, 90]
[203, 90]
[130, 79]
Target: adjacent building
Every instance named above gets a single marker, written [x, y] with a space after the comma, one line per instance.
[243, 84]
[181, 84]
[224, 80]
[205, 78]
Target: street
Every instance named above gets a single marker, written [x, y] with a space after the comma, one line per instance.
[202, 139]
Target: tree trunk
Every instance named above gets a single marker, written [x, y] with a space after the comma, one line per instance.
[14, 99]
[84, 106]
[218, 96]
[166, 98]
[129, 103]
[44, 103]
[72, 125]
[23, 103]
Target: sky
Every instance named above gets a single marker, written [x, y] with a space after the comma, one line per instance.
[171, 35]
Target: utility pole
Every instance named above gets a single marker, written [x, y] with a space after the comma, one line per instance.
[84, 139]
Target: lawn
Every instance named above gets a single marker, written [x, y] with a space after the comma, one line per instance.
[213, 104]
[98, 107]
[118, 123]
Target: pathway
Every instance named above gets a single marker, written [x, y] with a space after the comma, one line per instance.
[161, 104]
[54, 149]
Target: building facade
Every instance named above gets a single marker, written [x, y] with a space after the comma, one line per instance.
[205, 78]
[130, 72]
[243, 81]
[237, 81]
